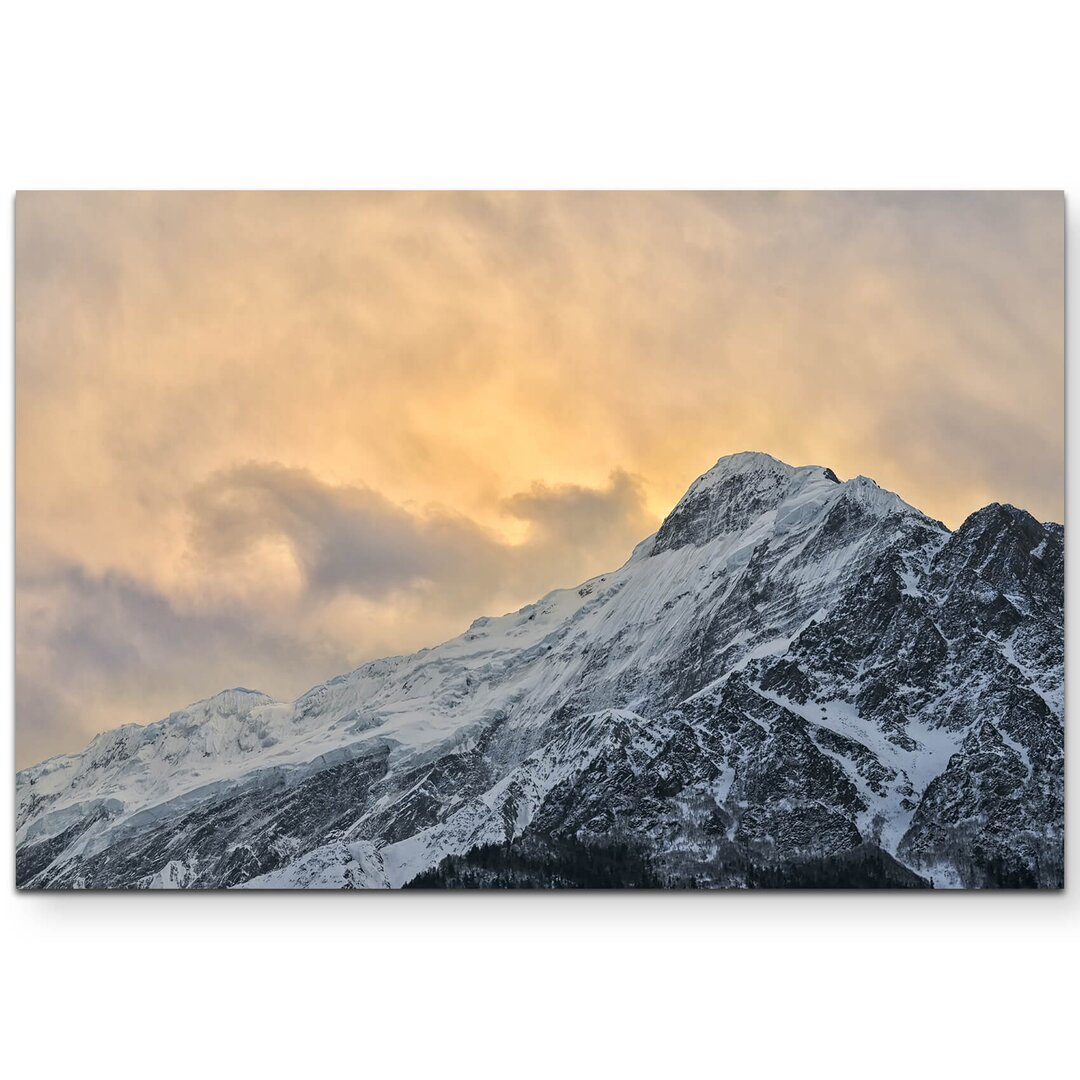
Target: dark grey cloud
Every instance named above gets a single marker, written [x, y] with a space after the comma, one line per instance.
[353, 539]
[343, 537]
[100, 650]
[568, 517]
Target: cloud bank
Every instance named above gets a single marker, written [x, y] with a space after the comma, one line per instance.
[263, 437]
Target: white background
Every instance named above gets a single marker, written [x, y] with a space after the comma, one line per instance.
[458, 94]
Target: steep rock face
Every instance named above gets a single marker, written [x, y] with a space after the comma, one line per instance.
[725, 501]
[791, 670]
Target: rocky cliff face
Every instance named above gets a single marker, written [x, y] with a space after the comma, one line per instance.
[795, 681]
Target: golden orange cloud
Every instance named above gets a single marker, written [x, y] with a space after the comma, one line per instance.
[222, 397]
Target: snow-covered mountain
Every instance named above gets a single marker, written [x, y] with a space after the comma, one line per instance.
[794, 681]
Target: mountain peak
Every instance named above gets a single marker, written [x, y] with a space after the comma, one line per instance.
[757, 463]
[737, 490]
[745, 461]
[831, 674]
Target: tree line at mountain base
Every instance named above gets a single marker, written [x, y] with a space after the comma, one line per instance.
[566, 862]
[548, 863]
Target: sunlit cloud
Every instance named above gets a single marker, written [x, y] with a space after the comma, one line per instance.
[263, 437]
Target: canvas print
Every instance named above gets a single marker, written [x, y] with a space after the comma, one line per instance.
[539, 540]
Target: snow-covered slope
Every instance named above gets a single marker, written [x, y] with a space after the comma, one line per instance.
[790, 669]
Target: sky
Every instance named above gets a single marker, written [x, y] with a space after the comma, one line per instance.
[264, 437]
